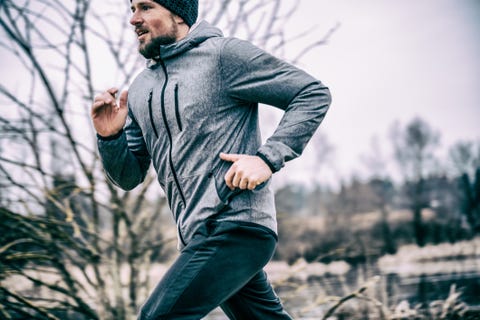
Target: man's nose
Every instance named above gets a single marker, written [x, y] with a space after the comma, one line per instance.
[135, 20]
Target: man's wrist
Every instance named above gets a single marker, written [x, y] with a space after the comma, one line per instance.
[110, 137]
[268, 163]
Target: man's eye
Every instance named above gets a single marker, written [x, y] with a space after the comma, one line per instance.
[145, 8]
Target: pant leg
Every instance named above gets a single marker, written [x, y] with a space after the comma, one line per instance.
[256, 300]
[220, 260]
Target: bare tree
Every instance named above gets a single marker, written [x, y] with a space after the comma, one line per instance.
[73, 245]
[414, 149]
[465, 160]
[263, 23]
[69, 233]
[464, 157]
[383, 189]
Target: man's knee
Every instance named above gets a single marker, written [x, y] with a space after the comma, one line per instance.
[142, 315]
[147, 314]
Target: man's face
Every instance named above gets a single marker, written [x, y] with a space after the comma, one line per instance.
[154, 26]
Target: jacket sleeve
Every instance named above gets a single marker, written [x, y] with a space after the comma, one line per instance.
[253, 75]
[124, 156]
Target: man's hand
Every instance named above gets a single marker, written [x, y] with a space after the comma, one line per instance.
[109, 117]
[246, 172]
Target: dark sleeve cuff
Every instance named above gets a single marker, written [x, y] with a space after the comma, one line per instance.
[269, 164]
[112, 137]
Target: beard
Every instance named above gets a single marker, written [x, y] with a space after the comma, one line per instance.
[152, 49]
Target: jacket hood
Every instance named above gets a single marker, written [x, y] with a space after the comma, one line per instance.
[198, 34]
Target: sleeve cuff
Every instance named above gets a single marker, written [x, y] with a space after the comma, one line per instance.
[112, 137]
[269, 164]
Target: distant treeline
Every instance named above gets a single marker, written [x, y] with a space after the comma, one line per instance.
[366, 219]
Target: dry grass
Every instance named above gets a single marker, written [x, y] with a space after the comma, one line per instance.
[369, 298]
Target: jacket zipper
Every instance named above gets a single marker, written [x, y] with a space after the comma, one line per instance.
[150, 112]
[177, 111]
[169, 134]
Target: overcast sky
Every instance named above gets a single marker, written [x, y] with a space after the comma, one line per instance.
[395, 60]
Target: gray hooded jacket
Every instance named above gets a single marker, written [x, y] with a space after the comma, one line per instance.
[201, 98]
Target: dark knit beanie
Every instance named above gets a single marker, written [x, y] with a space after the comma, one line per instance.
[186, 9]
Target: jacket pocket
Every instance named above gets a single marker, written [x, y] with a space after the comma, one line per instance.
[177, 108]
[223, 191]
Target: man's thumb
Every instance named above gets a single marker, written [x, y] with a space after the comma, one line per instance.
[123, 99]
[229, 157]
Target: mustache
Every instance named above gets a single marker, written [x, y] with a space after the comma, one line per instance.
[140, 31]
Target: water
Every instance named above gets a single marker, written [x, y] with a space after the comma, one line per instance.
[419, 284]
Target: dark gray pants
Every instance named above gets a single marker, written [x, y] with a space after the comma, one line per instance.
[221, 266]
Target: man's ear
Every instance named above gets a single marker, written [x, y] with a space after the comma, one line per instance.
[178, 19]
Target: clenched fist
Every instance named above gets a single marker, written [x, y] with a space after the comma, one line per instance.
[109, 117]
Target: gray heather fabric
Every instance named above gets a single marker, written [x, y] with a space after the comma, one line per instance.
[201, 98]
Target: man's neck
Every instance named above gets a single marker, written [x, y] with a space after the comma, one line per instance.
[183, 30]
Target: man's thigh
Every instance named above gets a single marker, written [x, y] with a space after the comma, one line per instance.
[220, 260]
